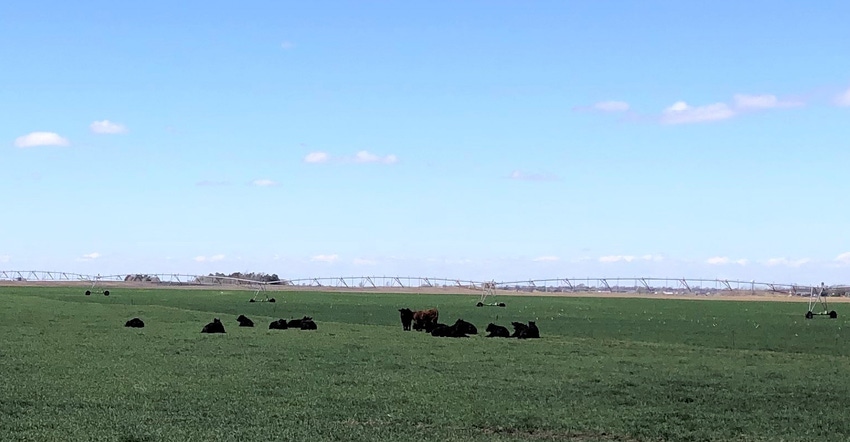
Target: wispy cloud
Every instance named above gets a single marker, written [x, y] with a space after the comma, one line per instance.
[287, 45]
[525, 176]
[683, 113]
[361, 157]
[843, 99]
[616, 258]
[656, 258]
[264, 183]
[213, 258]
[746, 102]
[5, 258]
[107, 127]
[212, 183]
[723, 260]
[368, 157]
[89, 256]
[316, 157]
[546, 259]
[34, 139]
[786, 262]
[611, 106]
[325, 258]
[843, 258]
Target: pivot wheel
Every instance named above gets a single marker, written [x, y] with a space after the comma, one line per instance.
[88, 292]
[809, 315]
[833, 314]
[106, 293]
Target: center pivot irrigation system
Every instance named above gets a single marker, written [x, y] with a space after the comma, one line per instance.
[488, 291]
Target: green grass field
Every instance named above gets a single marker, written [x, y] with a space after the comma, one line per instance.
[605, 369]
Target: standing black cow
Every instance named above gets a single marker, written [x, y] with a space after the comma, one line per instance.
[406, 318]
[244, 321]
[497, 331]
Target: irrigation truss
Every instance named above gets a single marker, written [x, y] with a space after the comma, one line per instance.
[613, 284]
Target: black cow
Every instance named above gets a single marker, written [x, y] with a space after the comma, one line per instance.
[214, 327]
[135, 323]
[465, 327]
[244, 321]
[530, 332]
[406, 318]
[280, 324]
[449, 331]
[308, 324]
[519, 328]
[296, 323]
[497, 331]
[431, 326]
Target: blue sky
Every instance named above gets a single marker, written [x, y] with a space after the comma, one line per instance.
[478, 139]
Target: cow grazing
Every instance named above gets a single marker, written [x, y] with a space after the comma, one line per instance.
[465, 327]
[134, 323]
[280, 324]
[244, 321]
[296, 323]
[497, 331]
[519, 328]
[214, 327]
[406, 318]
[530, 332]
[308, 324]
[422, 317]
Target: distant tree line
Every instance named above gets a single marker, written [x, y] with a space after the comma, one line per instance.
[260, 277]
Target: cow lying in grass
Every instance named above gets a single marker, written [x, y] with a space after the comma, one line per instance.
[134, 323]
[308, 324]
[497, 331]
[280, 324]
[244, 321]
[296, 323]
[523, 331]
[460, 329]
[214, 327]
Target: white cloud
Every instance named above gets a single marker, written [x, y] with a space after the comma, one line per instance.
[5, 258]
[843, 99]
[723, 260]
[107, 127]
[652, 258]
[523, 176]
[264, 183]
[744, 101]
[316, 157]
[325, 258]
[611, 106]
[546, 259]
[682, 113]
[843, 258]
[367, 157]
[786, 262]
[617, 258]
[34, 139]
[214, 258]
[287, 45]
[364, 262]
[89, 256]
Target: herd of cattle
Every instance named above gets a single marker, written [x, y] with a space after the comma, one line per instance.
[421, 320]
[427, 321]
[305, 323]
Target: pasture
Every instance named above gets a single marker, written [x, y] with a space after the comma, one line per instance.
[604, 369]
